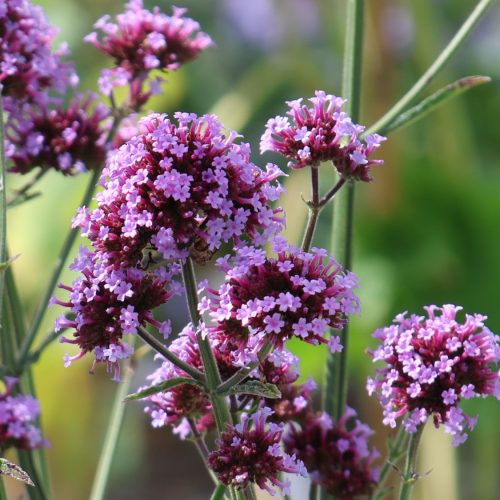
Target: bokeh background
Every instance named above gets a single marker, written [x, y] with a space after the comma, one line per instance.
[426, 230]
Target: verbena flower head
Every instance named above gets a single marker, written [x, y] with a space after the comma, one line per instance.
[250, 453]
[336, 455]
[181, 188]
[28, 66]
[69, 138]
[432, 363]
[18, 416]
[319, 133]
[141, 41]
[272, 299]
[106, 304]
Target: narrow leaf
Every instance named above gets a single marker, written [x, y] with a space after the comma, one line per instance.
[162, 386]
[218, 493]
[13, 470]
[432, 102]
[255, 388]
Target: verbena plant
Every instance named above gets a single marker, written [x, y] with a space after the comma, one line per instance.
[174, 193]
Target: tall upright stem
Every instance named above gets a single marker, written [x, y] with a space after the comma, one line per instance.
[220, 408]
[3, 211]
[56, 274]
[410, 476]
[343, 214]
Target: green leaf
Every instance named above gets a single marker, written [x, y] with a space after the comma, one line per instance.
[432, 102]
[218, 493]
[13, 470]
[255, 388]
[162, 386]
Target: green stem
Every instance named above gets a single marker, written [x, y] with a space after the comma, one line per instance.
[410, 475]
[56, 274]
[159, 347]
[343, 214]
[221, 410]
[101, 477]
[396, 449]
[3, 493]
[434, 68]
[313, 209]
[3, 211]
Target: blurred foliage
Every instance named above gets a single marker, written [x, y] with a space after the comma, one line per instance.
[426, 229]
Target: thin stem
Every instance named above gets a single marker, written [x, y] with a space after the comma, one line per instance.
[410, 475]
[198, 440]
[60, 263]
[433, 69]
[396, 449]
[220, 408]
[159, 347]
[3, 211]
[22, 192]
[112, 435]
[343, 213]
[316, 205]
[313, 209]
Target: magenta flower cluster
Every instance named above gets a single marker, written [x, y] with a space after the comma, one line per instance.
[295, 294]
[18, 415]
[28, 65]
[322, 132]
[142, 41]
[432, 363]
[107, 304]
[69, 138]
[337, 458]
[250, 453]
[181, 188]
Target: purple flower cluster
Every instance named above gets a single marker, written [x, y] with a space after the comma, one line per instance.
[142, 41]
[250, 452]
[109, 303]
[181, 189]
[295, 294]
[321, 133]
[68, 138]
[432, 363]
[336, 458]
[18, 415]
[28, 65]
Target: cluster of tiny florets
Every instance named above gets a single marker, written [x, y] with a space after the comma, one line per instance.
[69, 138]
[143, 40]
[320, 133]
[337, 458]
[18, 414]
[107, 304]
[181, 189]
[272, 299]
[250, 452]
[28, 65]
[432, 363]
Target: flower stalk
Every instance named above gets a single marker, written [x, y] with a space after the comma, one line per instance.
[410, 475]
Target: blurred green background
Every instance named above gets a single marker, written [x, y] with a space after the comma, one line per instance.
[426, 230]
